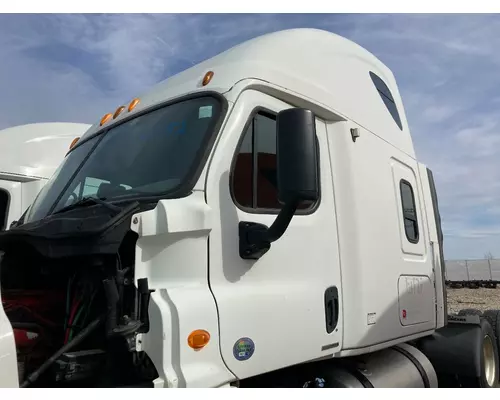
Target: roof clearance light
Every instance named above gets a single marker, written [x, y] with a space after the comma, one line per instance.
[73, 142]
[106, 118]
[207, 78]
[198, 339]
[133, 104]
[118, 111]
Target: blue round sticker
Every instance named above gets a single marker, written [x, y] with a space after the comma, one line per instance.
[243, 349]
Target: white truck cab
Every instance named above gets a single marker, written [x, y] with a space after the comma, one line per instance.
[29, 156]
[260, 219]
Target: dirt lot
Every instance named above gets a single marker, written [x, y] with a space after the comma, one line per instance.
[481, 299]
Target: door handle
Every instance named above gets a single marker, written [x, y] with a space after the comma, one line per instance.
[331, 308]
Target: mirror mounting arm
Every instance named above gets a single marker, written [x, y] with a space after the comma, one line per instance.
[280, 224]
[256, 239]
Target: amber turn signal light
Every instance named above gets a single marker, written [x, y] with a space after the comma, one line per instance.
[198, 339]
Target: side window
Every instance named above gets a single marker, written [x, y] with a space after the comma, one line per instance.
[254, 175]
[387, 98]
[409, 212]
[4, 208]
[242, 176]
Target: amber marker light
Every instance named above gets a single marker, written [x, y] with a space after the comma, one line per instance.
[207, 78]
[133, 104]
[73, 142]
[106, 118]
[118, 111]
[198, 339]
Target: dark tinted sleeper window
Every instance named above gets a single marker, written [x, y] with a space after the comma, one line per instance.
[254, 177]
[387, 98]
[4, 205]
[409, 212]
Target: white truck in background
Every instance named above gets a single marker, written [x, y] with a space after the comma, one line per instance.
[29, 155]
[262, 220]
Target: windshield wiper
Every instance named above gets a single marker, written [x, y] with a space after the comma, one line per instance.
[130, 193]
[89, 201]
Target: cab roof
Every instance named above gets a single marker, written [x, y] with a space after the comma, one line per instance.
[36, 150]
[317, 65]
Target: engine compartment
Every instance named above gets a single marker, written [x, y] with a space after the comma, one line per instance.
[75, 308]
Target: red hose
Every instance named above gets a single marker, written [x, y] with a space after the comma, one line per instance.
[9, 305]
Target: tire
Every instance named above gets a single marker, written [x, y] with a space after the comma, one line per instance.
[489, 368]
[469, 311]
[493, 317]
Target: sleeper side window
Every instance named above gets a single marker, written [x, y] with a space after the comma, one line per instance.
[409, 212]
[387, 98]
[4, 208]
[254, 175]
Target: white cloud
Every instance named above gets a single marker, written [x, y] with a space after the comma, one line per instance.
[78, 67]
[439, 113]
[446, 69]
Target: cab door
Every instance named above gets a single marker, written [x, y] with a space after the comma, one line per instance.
[416, 290]
[284, 308]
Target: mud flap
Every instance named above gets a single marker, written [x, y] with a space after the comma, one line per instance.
[456, 349]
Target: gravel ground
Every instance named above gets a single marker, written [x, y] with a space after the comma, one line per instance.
[480, 299]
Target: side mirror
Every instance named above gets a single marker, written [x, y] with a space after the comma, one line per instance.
[298, 180]
[296, 156]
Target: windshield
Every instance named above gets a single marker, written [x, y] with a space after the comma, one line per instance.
[152, 154]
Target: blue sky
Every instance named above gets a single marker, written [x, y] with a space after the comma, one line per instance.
[78, 67]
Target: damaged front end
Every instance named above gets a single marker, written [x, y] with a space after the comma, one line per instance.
[72, 304]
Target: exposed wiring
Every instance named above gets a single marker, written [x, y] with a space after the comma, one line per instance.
[79, 312]
[79, 338]
[66, 317]
[89, 306]
[68, 302]
[71, 319]
[73, 326]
